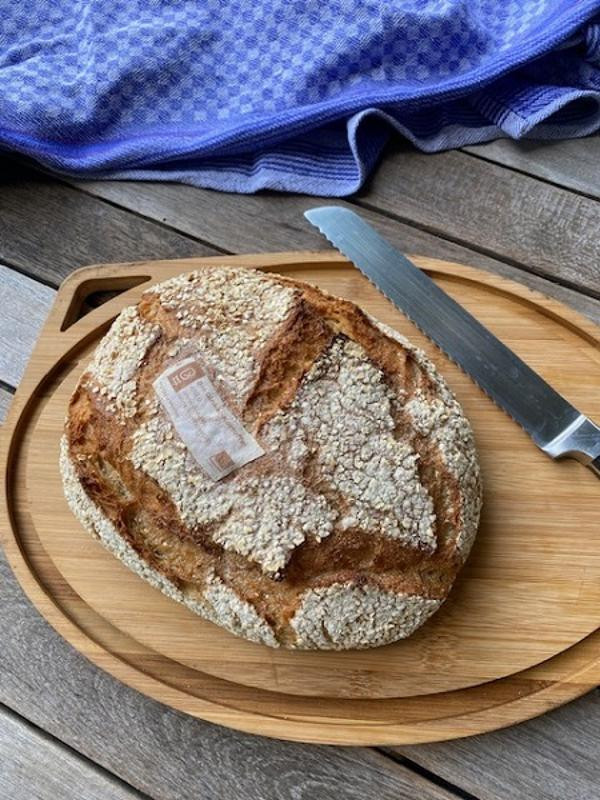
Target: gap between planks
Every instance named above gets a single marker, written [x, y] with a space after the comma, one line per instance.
[125, 221]
[567, 164]
[523, 270]
[443, 783]
[544, 223]
[295, 233]
[35, 764]
[544, 230]
[527, 222]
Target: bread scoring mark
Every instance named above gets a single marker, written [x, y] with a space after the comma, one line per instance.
[112, 372]
[263, 517]
[230, 313]
[270, 516]
[439, 418]
[221, 605]
[343, 407]
[347, 617]
[285, 360]
[214, 601]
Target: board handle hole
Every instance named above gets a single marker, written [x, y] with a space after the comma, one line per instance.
[95, 292]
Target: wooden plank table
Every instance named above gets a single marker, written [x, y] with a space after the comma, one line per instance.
[530, 211]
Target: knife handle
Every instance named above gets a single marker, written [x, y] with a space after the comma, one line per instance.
[579, 440]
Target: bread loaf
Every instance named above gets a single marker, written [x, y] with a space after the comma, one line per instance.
[346, 532]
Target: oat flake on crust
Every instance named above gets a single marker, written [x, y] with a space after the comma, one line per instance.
[342, 414]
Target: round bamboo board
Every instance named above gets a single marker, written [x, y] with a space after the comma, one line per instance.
[518, 634]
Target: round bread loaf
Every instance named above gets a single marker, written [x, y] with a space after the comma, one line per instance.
[350, 529]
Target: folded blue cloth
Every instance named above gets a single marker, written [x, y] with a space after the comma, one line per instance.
[295, 95]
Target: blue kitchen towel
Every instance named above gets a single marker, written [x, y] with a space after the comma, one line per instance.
[294, 95]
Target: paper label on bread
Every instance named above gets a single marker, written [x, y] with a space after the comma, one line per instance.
[211, 431]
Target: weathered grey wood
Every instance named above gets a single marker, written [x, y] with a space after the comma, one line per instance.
[534, 225]
[25, 304]
[169, 755]
[49, 229]
[33, 766]
[554, 757]
[573, 163]
[275, 222]
[5, 398]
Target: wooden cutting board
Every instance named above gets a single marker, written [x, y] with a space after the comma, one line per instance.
[518, 634]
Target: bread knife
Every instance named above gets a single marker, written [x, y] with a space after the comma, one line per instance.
[553, 423]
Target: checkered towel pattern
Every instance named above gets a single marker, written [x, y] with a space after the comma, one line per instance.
[296, 95]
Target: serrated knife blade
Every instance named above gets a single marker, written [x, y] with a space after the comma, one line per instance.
[555, 426]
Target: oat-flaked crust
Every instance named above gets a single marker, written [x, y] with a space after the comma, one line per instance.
[348, 533]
